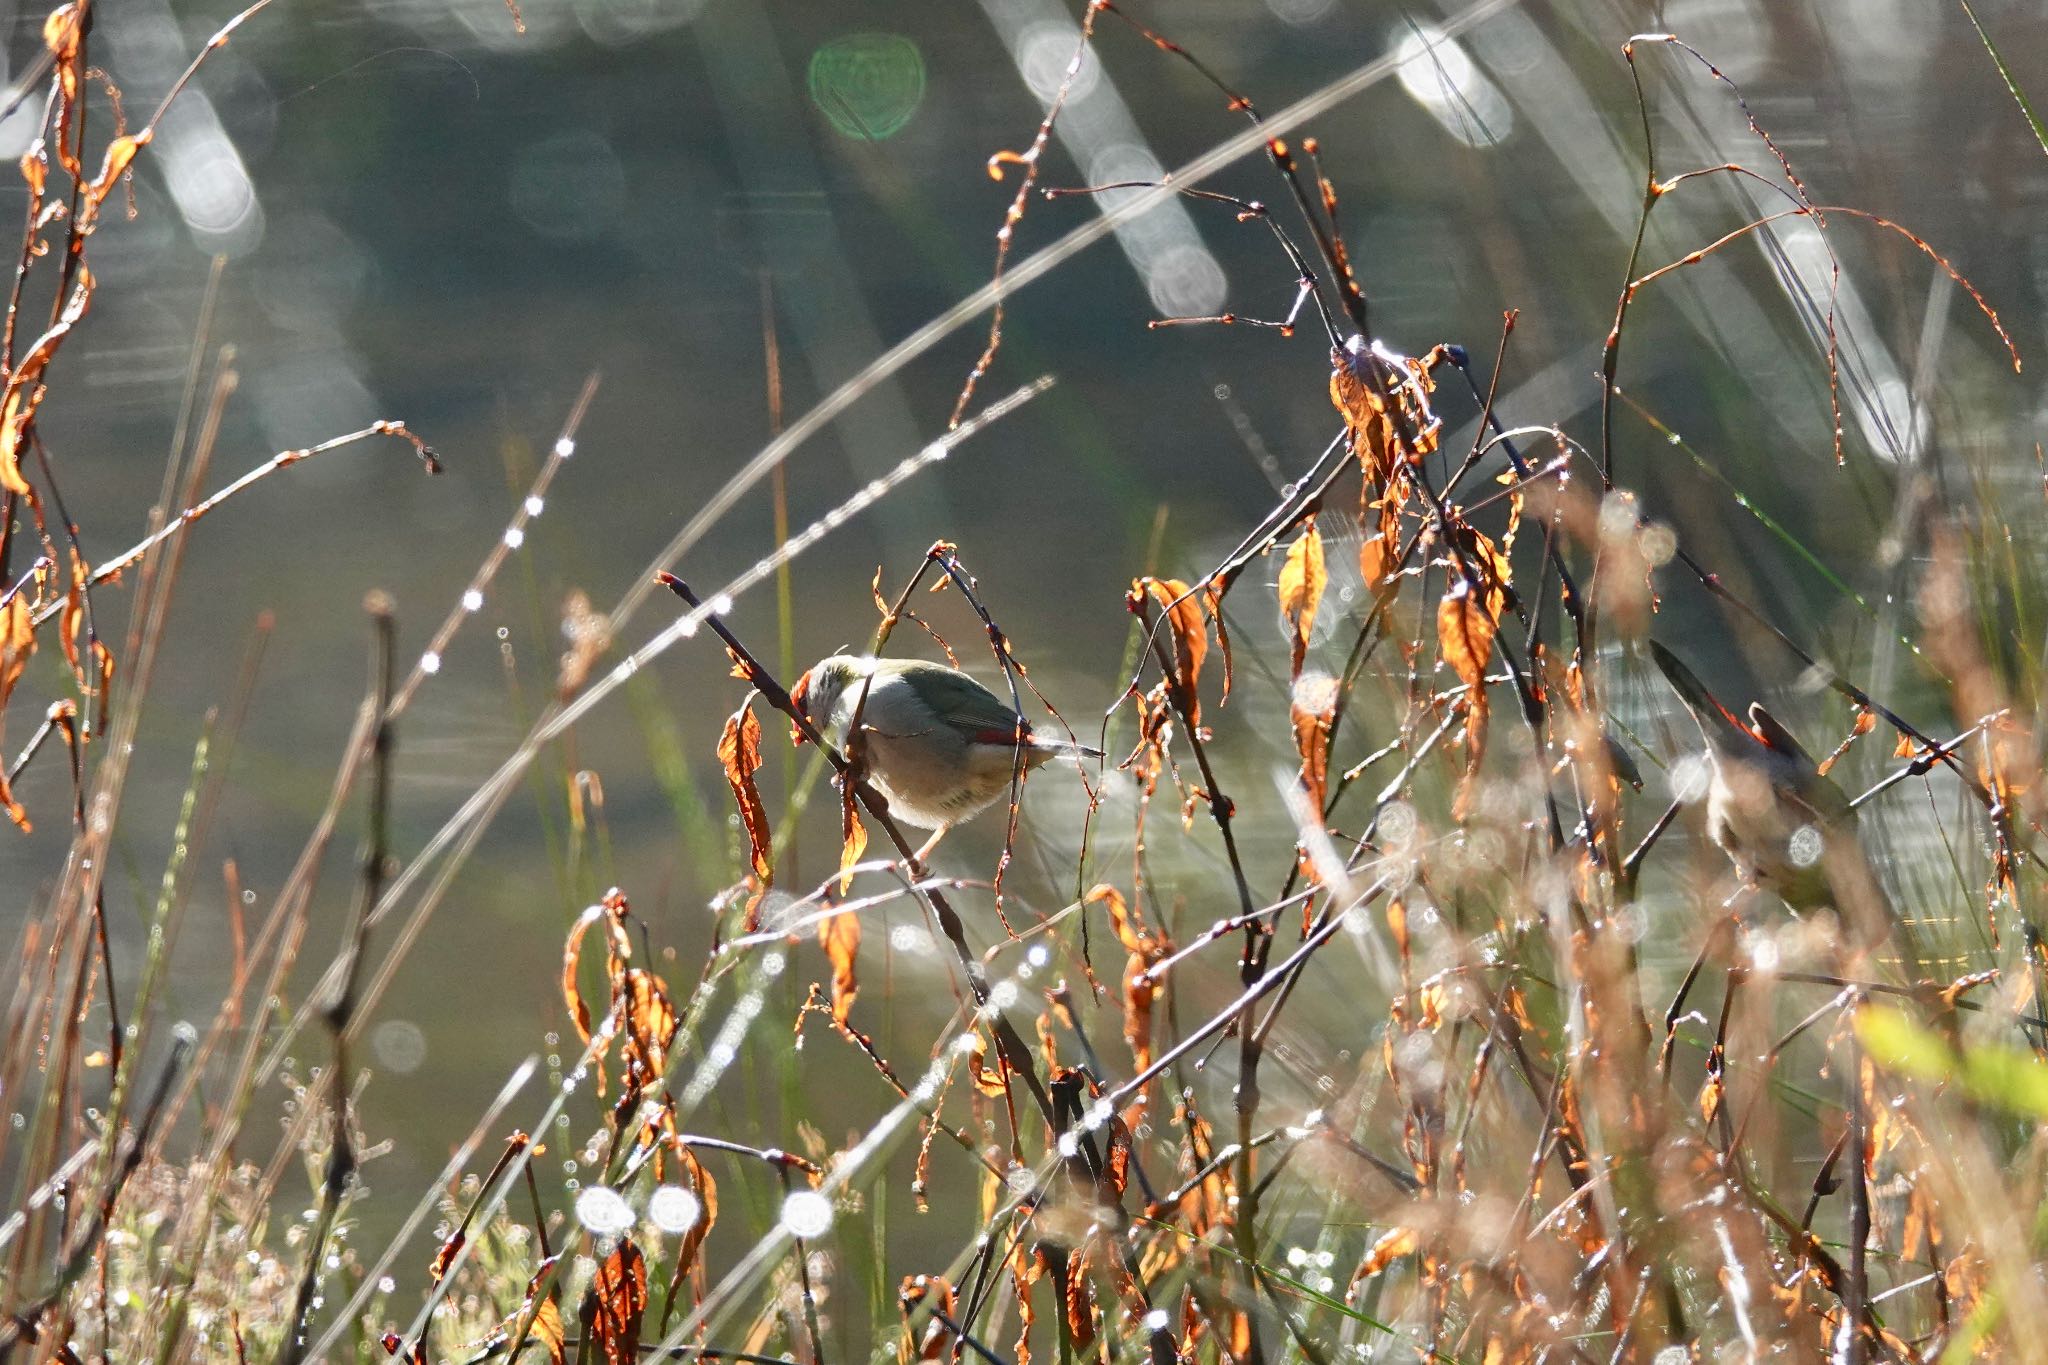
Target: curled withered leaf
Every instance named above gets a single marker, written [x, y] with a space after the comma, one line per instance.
[120, 155]
[588, 632]
[1185, 619]
[839, 936]
[1116, 1170]
[1465, 630]
[1302, 578]
[547, 1330]
[1379, 553]
[1141, 992]
[739, 753]
[538, 1311]
[1130, 928]
[572, 959]
[17, 644]
[853, 835]
[1391, 1246]
[989, 1080]
[1080, 1303]
[445, 1257]
[690, 1248]
[650, 1016]
[72, 617]
[615, 1304]
[1311, 707]
[1365, 413]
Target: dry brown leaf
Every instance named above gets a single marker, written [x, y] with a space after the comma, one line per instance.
[445, 1257]
[839, 936]
[990, 1081]
[1186, 618]
[1302, 578]
[1129, 926]
[17, 644]
[547, 1330]
[1140, 993]
[1465, 631]
[1365, 413]
[615, 1304]
[650, 1017]
[1392, 1245]
[1312, 707]
[853, 835]
[1080, 1302]
[739, 753]
[72, 617]
[687, 1251]
[572, 959]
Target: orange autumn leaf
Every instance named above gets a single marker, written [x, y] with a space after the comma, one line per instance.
[1302, 578]
[1140, 993]
[17, 644]
[839, 936]
[1389, 1248]
[687, 1251]
[72, 617]
[1129, 927]
[1312, 707]
[1365, 413]
[445, 1257]
[989, 1080]
[853, 836]
[120, 155]
[1465, 628]
[547, 1330]
[572, 958]
[739, 753]
[650, 1016]
[615, 1304]
[1380, 553]
[1187, 617]
[1465, 631]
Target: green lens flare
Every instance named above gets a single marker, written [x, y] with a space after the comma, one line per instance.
[868, 84]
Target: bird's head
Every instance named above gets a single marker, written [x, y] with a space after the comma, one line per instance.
[818, 692]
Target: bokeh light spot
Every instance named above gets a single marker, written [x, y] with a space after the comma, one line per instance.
[868, 85]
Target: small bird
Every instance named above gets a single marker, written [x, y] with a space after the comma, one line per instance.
[1786, 827]
[939, 745]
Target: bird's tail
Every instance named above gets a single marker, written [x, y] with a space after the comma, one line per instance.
[1063, 748]
[1714, 718]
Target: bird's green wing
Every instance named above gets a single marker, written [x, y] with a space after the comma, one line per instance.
[959, 700]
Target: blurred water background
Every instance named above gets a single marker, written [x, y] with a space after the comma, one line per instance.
[427, 215]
